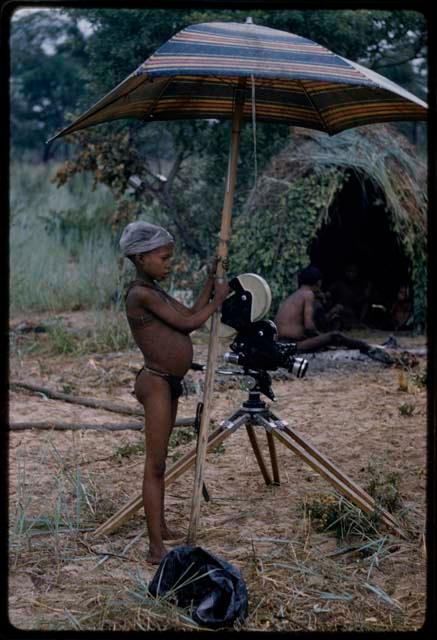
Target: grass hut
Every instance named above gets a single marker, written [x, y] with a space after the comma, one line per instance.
[358, 197]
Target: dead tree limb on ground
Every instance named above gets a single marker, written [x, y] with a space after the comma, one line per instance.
[85, 401]
[91, 402]
[66, 426]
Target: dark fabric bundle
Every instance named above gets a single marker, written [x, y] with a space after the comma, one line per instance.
[210, 585]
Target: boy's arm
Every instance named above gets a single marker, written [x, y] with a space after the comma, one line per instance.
[201, 301]
[208, 287]
[176, 317]
[205, 294]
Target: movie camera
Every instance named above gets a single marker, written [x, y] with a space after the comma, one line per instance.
[255, 346]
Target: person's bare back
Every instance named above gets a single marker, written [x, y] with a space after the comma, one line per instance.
[294, 319]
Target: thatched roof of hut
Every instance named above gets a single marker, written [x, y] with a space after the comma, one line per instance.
[376, 153]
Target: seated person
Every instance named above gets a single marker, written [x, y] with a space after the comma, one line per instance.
[401, 310]
[327, 316]
[296, 322]
[351, 295]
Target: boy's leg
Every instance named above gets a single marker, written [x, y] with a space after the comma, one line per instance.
[154, 393]
[167, 532]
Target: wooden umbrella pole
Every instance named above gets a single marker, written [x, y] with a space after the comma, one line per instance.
[225, 232]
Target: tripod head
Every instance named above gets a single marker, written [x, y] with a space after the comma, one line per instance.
[258, 381]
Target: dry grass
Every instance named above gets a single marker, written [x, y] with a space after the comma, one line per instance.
[303, 571]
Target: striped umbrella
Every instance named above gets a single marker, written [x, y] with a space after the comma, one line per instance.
[290, 79]
[241, 72]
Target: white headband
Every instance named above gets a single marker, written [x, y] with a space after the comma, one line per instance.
[140, 237]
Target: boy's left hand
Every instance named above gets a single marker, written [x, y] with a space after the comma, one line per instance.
[214, 264]
[225, 263]
[213, 267]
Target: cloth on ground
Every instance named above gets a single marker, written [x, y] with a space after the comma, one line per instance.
[213, 587]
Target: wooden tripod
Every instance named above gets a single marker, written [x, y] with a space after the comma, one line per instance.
[254, 412]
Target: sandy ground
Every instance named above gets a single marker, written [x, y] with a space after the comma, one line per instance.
[356, 411]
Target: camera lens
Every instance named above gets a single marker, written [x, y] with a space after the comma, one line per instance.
[233, 358]
[298, 367]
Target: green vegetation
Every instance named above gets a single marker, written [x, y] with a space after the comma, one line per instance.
[383, 486]
[62, 252]
[107, 332]
[406, 409]
[333, 512]
[420, 379]
[127, 450]
[273, 235]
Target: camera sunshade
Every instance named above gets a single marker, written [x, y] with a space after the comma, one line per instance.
[250, 301]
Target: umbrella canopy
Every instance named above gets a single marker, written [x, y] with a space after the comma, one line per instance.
[290, 79]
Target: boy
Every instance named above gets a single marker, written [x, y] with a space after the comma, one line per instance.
[160, 327]
[295, 321]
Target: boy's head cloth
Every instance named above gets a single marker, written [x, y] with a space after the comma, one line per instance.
[140, 237]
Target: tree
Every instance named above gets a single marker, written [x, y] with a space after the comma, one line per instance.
[46, 62]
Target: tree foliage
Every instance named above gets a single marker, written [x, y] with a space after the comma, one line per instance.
[47, 60]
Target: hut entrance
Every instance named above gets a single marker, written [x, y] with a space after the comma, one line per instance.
[358, 232]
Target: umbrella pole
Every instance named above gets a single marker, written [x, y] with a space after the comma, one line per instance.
[222, 253]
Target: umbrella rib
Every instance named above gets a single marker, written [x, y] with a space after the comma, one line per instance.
[157, 98]
[316, 109]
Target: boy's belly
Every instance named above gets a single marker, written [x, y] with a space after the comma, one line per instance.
[165, 349]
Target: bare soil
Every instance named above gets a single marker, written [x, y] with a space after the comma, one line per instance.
[368, 418]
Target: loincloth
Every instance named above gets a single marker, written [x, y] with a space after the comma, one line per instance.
[174, 382]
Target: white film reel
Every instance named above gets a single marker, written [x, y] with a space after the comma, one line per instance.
[261, 301]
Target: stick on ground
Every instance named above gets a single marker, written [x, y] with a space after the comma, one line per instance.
[86, 402]
[110, 426]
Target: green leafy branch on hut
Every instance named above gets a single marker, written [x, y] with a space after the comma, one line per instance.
[273, 236]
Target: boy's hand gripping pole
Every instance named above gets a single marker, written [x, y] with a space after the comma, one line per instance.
[213, 336]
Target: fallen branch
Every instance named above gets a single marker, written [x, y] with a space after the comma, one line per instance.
[85, 401]
[88, 402]
[66, 426]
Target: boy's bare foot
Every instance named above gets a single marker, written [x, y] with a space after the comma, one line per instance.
[171, 534]
[156, 554]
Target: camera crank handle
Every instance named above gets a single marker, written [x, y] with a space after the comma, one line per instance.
[196, 366]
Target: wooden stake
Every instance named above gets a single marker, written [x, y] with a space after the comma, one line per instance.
[213, 339]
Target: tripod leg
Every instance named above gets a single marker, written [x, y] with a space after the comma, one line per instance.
[348, 482]
[337, 478]
[184, 463]
[323, 460]
[273, 458]
[258, 454]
